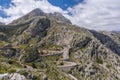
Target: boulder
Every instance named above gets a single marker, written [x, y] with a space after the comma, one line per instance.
[16, 76]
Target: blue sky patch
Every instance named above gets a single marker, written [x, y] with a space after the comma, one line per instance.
[5, 3]
[64, 4]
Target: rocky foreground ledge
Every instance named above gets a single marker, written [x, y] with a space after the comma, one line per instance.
[13, 76]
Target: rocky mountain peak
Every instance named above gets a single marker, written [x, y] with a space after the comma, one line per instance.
[38, 12]
[59, 17]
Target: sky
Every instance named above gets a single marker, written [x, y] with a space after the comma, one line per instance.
[91, 14]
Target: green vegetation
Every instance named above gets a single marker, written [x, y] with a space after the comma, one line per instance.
[52, 47]
[2, 69]
[13, 63]
[1, 57]
[11, 70]
[22, 72]
[30, 55]
[56, 73]
[82, 48]
[25, 47]
[108, 66]
[61, 63]
[100, 61]
[52, 58]
[3, 43]
[25, 35]
[33, 41]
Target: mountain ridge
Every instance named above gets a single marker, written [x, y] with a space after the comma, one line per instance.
[38, 12]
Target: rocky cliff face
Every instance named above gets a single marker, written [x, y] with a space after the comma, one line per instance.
[38, 43]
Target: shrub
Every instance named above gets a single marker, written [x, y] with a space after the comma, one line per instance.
[52, 47]
[11, 70]
[100, 61]
[108, 66]
[2, 70]
[61, 63]
[23, 73]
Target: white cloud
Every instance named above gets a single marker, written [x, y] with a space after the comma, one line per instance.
[22, 7]
[97, 14]
[0, 7]
[92, 14]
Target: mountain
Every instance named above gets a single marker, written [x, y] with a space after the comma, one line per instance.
[39, 13]
[41, 46]
[1, 23]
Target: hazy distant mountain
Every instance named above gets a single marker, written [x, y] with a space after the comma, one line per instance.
[1, 23]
